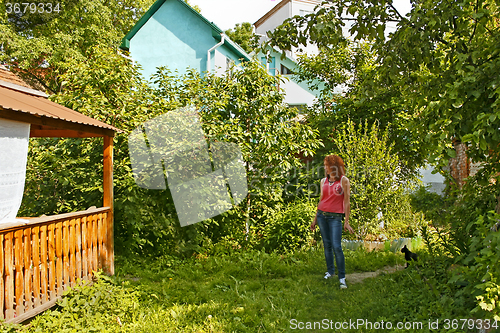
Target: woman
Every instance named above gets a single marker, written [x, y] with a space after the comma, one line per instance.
[333, 206]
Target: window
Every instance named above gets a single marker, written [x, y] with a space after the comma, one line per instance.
[285, 70]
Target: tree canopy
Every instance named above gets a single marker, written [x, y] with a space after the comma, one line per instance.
[244, 36]
[441, 65]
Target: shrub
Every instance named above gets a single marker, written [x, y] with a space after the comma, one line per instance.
[99, 307]
[288, 229]
[378, 184]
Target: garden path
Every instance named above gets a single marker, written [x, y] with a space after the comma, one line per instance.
[359, 277]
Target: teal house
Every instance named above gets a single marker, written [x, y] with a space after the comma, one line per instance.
[173, 34]
[297, 93]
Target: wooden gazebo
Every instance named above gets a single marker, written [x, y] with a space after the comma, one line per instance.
[41, 257]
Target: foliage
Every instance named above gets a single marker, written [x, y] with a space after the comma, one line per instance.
[244, 36]
[347, 67]
[377, 182]
[288, 229]
[42, 52]
[337, 66]
[195, 7]
[433, 205]
[108, 89]
[467, 232]
[246, 107]
[483, 265]
[440, 64]
[102, 306]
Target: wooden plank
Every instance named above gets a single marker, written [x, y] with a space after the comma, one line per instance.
[59, 260]
[108, 201]
[72, 249]
[95, 266]
[2, 282]
[28, 221]
[34, 312]
[28, 272]
[19, 267]
[41, 133]
[9, 275]
[78, 249]
[52, 261]
[65, 254]
[90, 249]
[85, 267]
[44, 260]
[100, 241]
[53, 122]
[35, 251]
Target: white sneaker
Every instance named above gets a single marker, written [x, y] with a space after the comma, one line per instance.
[343, 285]
[328, 275]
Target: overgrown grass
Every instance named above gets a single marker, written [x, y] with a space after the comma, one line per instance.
[250, 292]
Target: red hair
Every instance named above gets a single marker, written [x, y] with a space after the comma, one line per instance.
[334, 166]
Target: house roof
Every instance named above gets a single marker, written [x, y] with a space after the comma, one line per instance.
[216, 31]
[20, 102]
[278, 7]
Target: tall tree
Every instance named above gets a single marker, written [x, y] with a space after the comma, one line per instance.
[442, 62]
[41, 47]
[244, 36]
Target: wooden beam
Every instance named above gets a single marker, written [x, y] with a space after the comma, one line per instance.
[40, 133]
[54, 123]
[108, 202]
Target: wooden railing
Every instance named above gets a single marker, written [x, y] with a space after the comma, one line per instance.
[42, 257]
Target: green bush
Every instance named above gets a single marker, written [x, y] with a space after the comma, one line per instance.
[289, 228]
[99, 307]
[378, 183]
[483, 266]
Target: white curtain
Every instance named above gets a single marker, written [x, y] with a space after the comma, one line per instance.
[14, 139]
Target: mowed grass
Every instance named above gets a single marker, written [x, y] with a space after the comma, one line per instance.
[252, 291]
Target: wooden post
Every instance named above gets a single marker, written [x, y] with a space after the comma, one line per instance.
[9, 275]
[108, 202]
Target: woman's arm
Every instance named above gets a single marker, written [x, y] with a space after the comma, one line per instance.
[313, 224]
[346, 187]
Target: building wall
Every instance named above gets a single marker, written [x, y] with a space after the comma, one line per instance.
[436, 181]
[289, 10]
[177, 38]
[296, 93]
[275, 20]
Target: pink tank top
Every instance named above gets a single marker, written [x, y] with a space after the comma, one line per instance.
[333, 197]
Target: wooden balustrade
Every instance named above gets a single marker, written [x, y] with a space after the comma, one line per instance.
[42, 257]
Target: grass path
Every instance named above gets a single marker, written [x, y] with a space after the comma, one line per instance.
[353, 278]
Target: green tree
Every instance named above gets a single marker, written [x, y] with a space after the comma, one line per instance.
[246, 107]
[243, 35]
[441, 62]
[378, 184]
[41, 52]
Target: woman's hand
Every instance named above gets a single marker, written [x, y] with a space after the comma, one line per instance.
[348, 227]
[313, 225]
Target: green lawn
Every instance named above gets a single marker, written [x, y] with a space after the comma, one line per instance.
[252, 292]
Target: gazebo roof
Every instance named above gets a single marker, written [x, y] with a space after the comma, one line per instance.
[20, 102]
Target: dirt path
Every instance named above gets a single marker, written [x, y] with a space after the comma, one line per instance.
[359, 277]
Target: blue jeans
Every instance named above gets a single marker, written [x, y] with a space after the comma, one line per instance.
[331, 233]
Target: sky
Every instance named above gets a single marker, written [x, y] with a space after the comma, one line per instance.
[226, 13]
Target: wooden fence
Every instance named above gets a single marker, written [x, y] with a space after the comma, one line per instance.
[41, 258]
